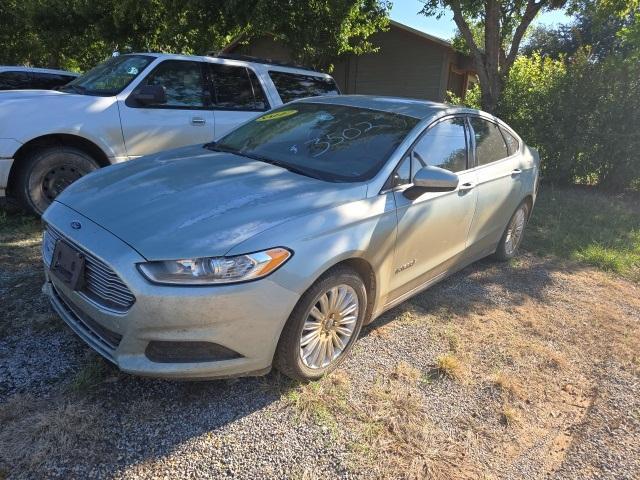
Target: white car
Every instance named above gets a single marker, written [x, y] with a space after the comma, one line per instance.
[20, 78]
[134, 105]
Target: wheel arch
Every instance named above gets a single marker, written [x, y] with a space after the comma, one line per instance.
[529, 201]
[52, 140]
[365, 271]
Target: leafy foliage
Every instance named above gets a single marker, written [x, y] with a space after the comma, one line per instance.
[582, 115]
[471, 99]
[76, 34]
[609, 27]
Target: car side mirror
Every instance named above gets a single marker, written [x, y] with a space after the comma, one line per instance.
[432, 179]
[150, 95]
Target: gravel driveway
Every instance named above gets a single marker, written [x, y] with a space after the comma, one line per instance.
[522, 370]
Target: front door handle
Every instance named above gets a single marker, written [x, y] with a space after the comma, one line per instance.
[465, 187]
[198, 121]
[516, 171]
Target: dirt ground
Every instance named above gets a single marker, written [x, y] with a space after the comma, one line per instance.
[529, 369]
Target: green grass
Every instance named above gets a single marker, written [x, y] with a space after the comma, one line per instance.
[90, 375]
[588, 226]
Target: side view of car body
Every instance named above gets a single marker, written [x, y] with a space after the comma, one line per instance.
[30, 78]
[134, 105]
[277, 243]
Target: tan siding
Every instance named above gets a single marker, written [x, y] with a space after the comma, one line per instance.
[405, 66]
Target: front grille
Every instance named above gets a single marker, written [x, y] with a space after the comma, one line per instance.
[101, 284]
[99, 335]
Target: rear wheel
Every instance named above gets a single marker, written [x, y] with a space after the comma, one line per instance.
[46, 172]
[513, 234]
[323, 326]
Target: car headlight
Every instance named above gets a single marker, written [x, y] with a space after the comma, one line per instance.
[215, 270]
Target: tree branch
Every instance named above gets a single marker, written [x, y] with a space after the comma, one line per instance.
[464, 28]
[530, 13]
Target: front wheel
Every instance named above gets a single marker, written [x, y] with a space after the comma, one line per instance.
[323, 326]
[513, 234]
[46, 172]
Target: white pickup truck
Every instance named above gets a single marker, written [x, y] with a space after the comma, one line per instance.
[134, 105]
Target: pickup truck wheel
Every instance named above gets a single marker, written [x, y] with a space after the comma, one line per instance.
[46, 172]
[323, 326]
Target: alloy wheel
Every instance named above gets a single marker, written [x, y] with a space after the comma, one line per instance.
[329, 326]
[515, 231]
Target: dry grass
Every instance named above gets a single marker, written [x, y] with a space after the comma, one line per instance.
[535, 343]
[34, 431]
[407, 373]
[320, 401]
[450, 366]
[510, 416]
[508, 384]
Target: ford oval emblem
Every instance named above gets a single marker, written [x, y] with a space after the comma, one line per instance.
[76, 225]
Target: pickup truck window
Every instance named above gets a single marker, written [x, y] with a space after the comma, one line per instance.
[13, 80]
[292, 86]
[47, 81]
[110, 77]
[237, 88]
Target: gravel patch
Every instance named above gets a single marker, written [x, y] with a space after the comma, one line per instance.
[564, 335]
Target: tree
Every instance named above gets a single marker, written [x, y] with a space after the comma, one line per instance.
[505, 22]
[77, 34]
[607, 28]
[315, 31]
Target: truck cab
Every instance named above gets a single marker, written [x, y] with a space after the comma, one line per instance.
[134, 105]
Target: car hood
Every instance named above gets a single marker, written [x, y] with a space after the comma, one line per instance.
[20, 94]
[191, 202]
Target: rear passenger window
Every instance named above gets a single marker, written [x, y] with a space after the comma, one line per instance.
[14, 80]
[490, 145]
[292, 86]
[512, 142]
[444, 145]
[237, 88]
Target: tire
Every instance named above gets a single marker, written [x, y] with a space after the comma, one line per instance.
[509, 243]
[289, 358]
[46, 171]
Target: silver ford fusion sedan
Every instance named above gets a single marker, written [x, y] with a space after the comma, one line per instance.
[276, 244]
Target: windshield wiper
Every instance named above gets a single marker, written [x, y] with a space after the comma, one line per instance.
[76, 88]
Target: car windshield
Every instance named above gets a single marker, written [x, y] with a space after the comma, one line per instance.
[110, 77]
[330, 142]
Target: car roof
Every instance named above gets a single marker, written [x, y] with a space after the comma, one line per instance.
[4, 68]
[227, 59]
[420, 109]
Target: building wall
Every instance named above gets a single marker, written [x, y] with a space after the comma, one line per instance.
[406, 65]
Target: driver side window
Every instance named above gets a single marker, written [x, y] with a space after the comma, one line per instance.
[444, 145]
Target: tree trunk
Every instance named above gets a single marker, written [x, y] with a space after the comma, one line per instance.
[491, 88]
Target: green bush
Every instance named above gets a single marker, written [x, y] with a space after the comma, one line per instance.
[582, 115]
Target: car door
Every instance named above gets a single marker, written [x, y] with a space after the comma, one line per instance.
[238, 96]
[432, 228]
[186, 118]
[499, 183]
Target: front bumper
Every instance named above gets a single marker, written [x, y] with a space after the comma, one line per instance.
[244, 318]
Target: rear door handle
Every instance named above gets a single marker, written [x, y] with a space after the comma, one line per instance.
[516, 171]
[465, 187]
[198, 121]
